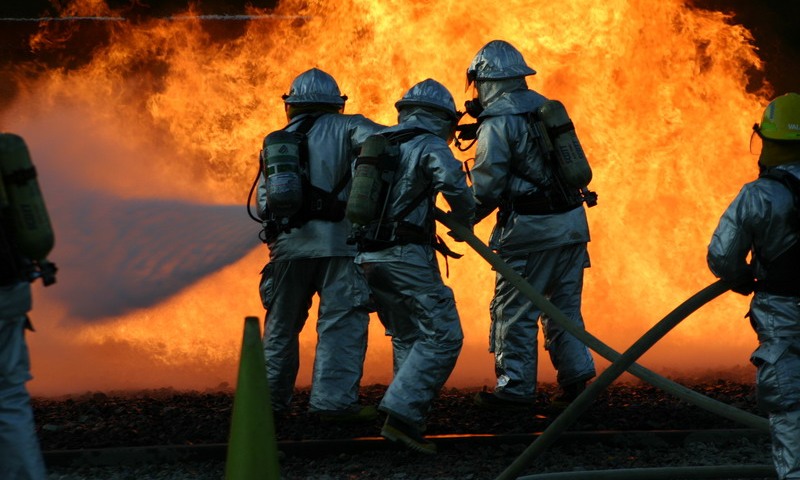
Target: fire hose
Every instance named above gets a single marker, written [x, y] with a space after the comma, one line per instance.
[620, 362]
[667, 473]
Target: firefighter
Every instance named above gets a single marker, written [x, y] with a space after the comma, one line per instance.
[398, 256]
[538, 233]
[763, 222]
[23, 246]
[309, 255]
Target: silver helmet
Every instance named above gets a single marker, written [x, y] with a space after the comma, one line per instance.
[498, 60]
[429, 93]
[313, 87]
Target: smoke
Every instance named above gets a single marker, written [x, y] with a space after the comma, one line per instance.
[117, 255]
[120, 244]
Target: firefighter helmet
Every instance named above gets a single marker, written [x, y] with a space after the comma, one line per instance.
[429, 93]
[781, 119]
[498, 60]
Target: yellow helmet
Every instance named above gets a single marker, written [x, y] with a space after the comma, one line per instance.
[781, 119]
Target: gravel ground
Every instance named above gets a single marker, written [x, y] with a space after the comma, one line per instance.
[166, 417]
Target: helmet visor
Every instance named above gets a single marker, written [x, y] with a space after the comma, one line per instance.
[472, 90]
[471, 76]
[756, 142]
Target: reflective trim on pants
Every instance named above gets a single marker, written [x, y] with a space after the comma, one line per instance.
[557, 274]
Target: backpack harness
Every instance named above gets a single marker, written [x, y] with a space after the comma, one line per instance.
[382, 233]
[318, 204]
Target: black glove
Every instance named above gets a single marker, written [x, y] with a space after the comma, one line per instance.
[744, 286]
[455, 236]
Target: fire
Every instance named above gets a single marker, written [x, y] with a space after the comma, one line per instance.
[176, 108]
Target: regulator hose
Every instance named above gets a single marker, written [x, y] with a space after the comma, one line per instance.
[686, 394]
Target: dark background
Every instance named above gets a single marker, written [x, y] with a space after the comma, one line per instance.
[774, 24]
[44, 8]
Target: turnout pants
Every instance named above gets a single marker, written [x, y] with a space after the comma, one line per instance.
[287, 289]
[419, 311]
[20, 454]
[513, 338]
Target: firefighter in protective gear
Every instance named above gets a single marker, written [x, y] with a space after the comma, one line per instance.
[417, 308]
[543, 241]
[763, 222]
[315, 258]
[20, 453]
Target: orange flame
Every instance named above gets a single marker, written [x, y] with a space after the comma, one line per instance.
[657, 91]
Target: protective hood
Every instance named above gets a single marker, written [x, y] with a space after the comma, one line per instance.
[491, 90]
[778, 153]
[514, 103]
[422, 117]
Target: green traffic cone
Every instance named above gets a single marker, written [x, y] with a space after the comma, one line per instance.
[252, 446]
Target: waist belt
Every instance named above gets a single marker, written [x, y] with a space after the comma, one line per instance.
[541, 204]
[380, 237]
[783, 274]
[783, 289]
[11, 263]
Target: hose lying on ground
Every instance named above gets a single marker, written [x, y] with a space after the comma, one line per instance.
[666, 473]
[620, 363]
[617, 368]
[686, 394]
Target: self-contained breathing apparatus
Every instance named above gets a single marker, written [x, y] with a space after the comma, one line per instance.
[291, 198]
[556, 135]
[367, 205]
[26, 236]
[782, 272]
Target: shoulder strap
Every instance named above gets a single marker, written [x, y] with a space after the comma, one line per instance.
[303, 128]
[340, 186]
[402, 136]
[531, 118]
[398, 138]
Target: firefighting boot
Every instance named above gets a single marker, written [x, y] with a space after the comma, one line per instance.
[357, 414]
[398, 431]
[566, 395]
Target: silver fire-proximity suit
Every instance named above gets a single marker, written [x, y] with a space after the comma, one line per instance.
[763, 222]
[20, 454]
[417, 308]
[548, 249]
[315, 259]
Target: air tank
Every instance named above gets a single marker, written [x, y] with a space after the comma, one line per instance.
[362, 205]
[571, 159]
[281, 167]
[22, 199]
